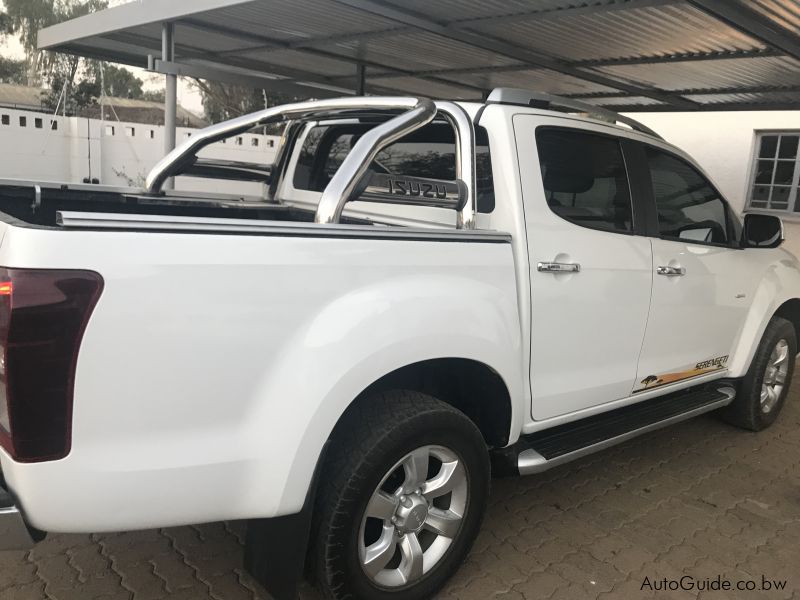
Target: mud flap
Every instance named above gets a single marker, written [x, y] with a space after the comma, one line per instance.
[275, 549]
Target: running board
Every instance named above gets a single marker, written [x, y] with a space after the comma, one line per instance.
[546, 449]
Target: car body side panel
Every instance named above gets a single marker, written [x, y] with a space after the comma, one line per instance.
[778, 275]
[215, 366]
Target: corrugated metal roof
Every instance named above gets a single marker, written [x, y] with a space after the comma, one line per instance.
[631, 32]
[417, 51]
[731, 73]
[535, 79]
[670, 54]
[784, 13]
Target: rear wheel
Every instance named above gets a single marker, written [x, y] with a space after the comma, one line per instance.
[401, 503]
[762, 393]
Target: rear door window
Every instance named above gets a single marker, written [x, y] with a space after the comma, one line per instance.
[428, 152]
[585, 181]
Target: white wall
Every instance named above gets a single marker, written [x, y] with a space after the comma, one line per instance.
[116, 153]
[723, 144]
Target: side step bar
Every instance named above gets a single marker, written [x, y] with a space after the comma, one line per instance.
[546, 449]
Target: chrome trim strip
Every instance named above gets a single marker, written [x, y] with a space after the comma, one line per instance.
[557, 267]
[529, 461]
[89, 220]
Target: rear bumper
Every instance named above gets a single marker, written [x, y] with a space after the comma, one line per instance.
[14, 533]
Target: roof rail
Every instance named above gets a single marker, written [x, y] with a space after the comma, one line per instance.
[545, 101]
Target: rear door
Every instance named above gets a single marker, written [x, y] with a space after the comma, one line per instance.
[590, 272]
[701, 292]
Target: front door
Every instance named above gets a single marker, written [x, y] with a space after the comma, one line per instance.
[700, 292]
[590, 273]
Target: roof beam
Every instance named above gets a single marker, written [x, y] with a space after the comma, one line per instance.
[676, 58]
[250, 79]
[479, 40]
[752, 89]
[185, 51]
[603, 62]
[707, 107]
[267, 43]
[751, 22]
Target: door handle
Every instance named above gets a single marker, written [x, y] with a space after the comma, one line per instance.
[556, 267]
[671, 271]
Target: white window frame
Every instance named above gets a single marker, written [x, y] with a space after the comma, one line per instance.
[793, 200]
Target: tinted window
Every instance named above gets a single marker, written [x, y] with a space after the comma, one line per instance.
[428, 152]
[689, 208]
[585, 181]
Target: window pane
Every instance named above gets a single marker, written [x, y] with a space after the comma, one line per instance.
[780, 197]
[784, 171]
[688, 207]
[769, 144]
[764, 171]
[788, 146]
[761, 193]
[585, 181]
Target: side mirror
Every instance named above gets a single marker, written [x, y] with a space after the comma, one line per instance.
[762, 231]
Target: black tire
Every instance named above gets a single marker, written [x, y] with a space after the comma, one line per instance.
[372, 438]
[746, 410]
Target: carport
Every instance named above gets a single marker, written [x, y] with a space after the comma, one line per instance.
[628, 55]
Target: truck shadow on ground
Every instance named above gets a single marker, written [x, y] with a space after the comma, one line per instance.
[698, 499]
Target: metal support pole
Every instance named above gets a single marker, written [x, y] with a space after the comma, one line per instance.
[361, 80]
[171, 91]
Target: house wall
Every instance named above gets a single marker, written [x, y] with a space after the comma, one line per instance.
[116, 153]
[723, 144]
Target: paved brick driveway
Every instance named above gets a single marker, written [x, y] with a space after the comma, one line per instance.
[699, 499]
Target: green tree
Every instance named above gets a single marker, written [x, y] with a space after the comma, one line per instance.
[119, 82]
[25, 18]
[154, 96]
[222, 101]
[12, 71]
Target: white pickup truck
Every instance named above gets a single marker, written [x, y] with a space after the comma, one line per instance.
[427, 293]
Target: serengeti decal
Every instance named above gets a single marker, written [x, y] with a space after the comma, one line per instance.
[706, 366]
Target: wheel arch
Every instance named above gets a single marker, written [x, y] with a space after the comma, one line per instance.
[790, 310]
[468, 385]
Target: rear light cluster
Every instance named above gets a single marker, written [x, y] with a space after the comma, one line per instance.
[43, 314]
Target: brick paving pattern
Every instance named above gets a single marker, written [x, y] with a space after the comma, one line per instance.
[700, 498]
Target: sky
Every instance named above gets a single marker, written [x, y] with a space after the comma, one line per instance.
[188, 96]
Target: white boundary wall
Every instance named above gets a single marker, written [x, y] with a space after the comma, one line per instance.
[116, 153]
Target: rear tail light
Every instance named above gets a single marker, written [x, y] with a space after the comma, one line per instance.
[43, 314]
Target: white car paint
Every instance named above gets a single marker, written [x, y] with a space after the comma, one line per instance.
[214, 367]
[589, 323]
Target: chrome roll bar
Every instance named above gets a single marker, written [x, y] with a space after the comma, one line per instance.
[465, 161]
[352, 175]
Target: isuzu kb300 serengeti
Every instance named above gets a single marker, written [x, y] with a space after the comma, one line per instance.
[426, 293]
